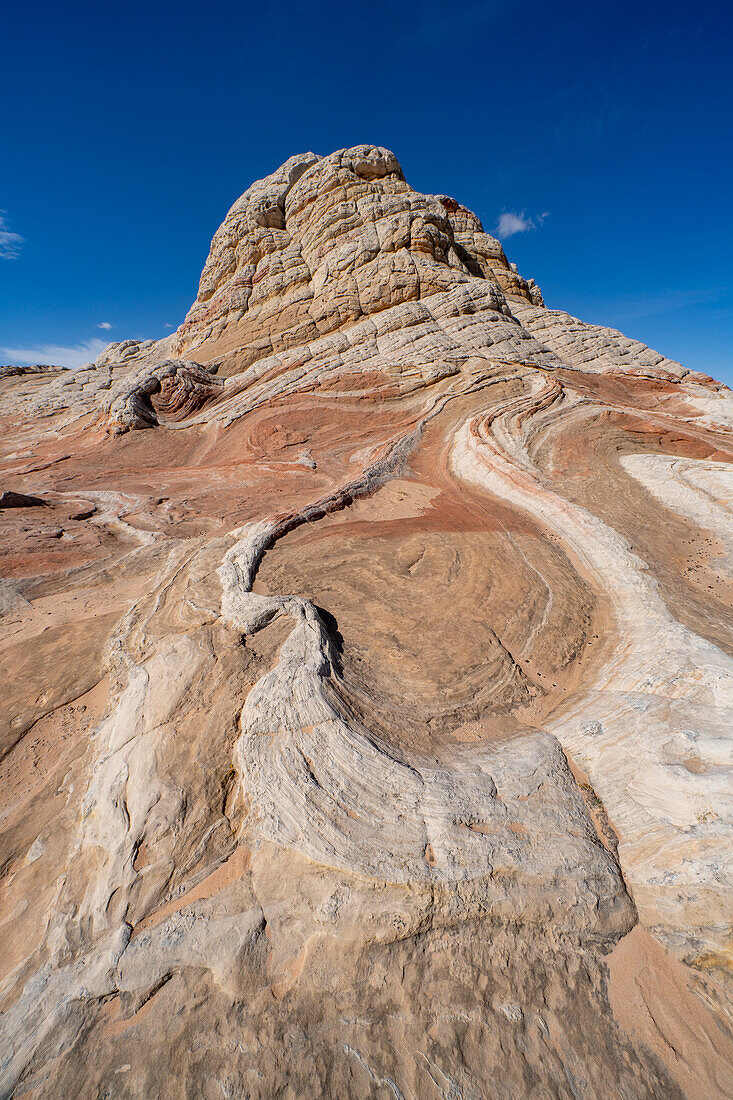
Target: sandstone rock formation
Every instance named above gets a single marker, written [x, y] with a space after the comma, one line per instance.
[366, 717]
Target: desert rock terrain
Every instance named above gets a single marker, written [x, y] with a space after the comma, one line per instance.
[368, 683]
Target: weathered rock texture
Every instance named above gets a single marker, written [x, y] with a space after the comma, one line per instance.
[367, 716]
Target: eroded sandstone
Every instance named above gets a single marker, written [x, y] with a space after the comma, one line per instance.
[367, 717]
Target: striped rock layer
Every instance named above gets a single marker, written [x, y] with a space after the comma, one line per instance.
[366, 723]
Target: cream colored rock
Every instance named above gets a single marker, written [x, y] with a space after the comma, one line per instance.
[171, 388]
[665, 696]
[359, 709]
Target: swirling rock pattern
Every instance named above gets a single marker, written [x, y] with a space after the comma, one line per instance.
[367, 719]
[170, 391]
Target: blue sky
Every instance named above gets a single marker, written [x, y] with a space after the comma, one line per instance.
[599, 132]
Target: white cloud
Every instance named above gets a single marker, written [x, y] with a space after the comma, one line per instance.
[510, 223]
[55, 354]
[166, 325]
[105, 325]
[9, 242]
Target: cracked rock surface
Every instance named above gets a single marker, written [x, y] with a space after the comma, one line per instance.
[368, 692]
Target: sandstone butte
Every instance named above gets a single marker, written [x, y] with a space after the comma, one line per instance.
[366, 717]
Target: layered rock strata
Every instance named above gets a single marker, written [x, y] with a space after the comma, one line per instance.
[367, 716]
